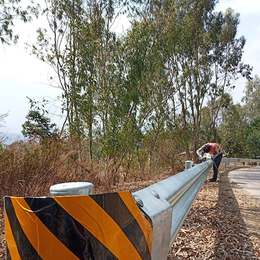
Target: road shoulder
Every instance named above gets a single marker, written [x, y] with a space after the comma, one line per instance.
[238, 200]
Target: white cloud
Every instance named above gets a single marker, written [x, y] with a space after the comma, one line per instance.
[249, 7]
[258, 28]
[22, 75]
[255, 46]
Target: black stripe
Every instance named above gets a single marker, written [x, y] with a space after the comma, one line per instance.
[25, 248]
[119, 212]
[68, 230]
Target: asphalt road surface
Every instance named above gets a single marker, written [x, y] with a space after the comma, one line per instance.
[247, 178]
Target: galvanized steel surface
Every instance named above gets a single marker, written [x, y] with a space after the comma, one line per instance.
[240, 160]
[168, 202]
[71, 188]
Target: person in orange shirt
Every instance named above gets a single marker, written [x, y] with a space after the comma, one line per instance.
[216, 151]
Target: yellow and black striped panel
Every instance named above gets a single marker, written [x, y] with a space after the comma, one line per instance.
[103, 226]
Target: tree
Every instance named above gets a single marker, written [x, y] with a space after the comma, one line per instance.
[252, 97]
[11, 11]
[253, 143]
[253, 139]
[2, 137]
[231, 129]
[38, 125]
[226, 60]
[124, 91]
[78, 45]
[203, 58]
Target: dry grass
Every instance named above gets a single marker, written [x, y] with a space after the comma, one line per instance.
[30, 169]
[214, 228]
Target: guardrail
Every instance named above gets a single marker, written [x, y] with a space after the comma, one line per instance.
[117, 225]
[168, 202]
[120, 225]
[240, 161]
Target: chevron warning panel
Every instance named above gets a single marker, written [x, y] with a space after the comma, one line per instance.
[103, 226]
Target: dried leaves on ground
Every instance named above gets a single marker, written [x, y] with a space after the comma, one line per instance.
[215, 227]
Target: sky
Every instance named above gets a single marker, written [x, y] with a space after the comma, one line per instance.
[23, 75]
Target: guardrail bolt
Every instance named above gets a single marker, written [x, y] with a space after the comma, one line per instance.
[155, 194]
[138, 201]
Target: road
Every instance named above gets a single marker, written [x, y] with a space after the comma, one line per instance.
[248, 179]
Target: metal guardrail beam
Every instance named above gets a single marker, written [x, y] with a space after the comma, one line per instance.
[168, 202]
[240, 160]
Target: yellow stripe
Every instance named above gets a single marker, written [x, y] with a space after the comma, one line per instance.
[91, 216]
[44, 242]
[10, 241]
[139, 216]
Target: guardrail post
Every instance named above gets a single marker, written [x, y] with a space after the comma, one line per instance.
[188, 164]
[71, 188]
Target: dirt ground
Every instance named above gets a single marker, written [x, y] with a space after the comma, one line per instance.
[223, 223]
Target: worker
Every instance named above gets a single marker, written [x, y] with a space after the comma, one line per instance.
[216, 151]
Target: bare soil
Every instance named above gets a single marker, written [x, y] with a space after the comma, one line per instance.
[223, 223]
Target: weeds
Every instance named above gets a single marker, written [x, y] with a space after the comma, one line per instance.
[30, 168]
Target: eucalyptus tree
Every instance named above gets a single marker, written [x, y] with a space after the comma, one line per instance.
[59, 45]
[186, 49]
[253, 136]
[224, 103]
[203, 60]
[232, 131]
[252, 97]
[147, 85]
[238, 133]
[226, 57]
[11, 11]
[76, 45]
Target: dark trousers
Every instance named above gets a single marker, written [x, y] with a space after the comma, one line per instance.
[216, 164]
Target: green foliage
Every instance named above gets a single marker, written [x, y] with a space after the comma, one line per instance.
[239, 136]
[252, 97]
[10, 10]
[122, 92]
[1, 148]
[37, 124]
[253, 136]
[232, 130]
[137, 102]
[253, 143]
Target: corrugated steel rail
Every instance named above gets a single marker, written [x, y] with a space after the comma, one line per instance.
[240, 160]
[168, 202]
